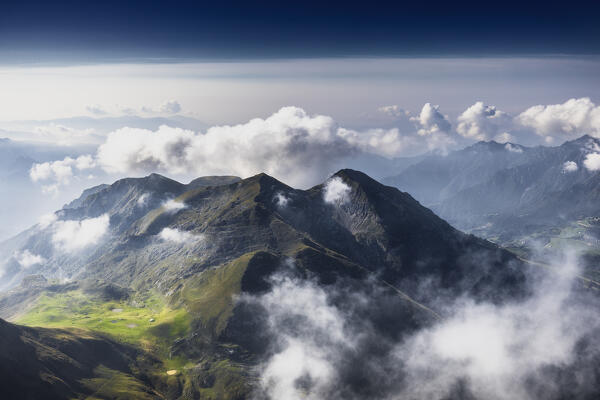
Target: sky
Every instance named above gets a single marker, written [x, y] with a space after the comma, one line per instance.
[349, 89]
[92, 92]
[110, 30]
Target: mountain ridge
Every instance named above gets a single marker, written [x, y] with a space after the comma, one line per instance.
[185, 256]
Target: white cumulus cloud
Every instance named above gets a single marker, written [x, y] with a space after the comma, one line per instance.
[484, 122]
[71, 236]
[290, 144]
[434, 128]
[570, 119]
[431, 120]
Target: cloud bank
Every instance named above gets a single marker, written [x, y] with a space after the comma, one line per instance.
[303, 149]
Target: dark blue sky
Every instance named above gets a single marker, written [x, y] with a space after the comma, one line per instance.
[80, 30]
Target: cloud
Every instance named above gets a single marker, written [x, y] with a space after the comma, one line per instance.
[168, 107]
[431, 120]
[173, 205]
[143, 199]
[63, 135]
[323, 344]
[393, 111]
[592, 161]
[502, 352]
[308, 330]
[290, 145]
[569, 120]
[46, 220]
[335, 191]
[300, 148]
[570, 166]
[27, 259]
[385, 142]
[60, 171]
[483, 122]
[514, 148]
[72, 236]
[177, 236]
[504, 137]
[281, 200]
[434, 127]
[133, 150]
[95, 109]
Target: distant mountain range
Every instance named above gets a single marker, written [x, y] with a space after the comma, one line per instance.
[168, 261]
[511, 193]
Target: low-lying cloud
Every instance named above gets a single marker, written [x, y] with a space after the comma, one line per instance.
[592, 161]
[172, 205]
[570, 166]
[335, 191]
[541, 347]
[178, 236]
[27, 259]
[72, 236]
[281, 200]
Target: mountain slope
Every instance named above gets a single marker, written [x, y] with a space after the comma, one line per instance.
[177, 267]
[58, 364]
